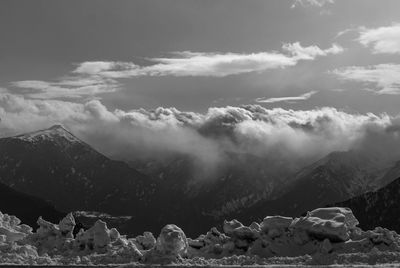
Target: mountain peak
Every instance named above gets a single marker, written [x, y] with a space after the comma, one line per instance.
[53, 133]
[57, 127]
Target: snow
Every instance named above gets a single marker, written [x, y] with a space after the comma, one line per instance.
[53, 133]
[100, 215]
[67, 225]
[11, 230]
[323, 236]
[328, 223]
[171, 244]
[145, 241]
[275, 226]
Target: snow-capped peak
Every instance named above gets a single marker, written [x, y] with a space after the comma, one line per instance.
[54, 132]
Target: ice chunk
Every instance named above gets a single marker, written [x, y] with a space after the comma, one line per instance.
[11, 228]
[275, 226]
[67, 225]
[244, 233]
[98, 236]
[46, 227]
[332, 223]
[229, 226]
[171, 244]
[337, 214]
[255, 226]
[146, 241]
[172, 240]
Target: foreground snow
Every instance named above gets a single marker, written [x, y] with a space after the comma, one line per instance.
[323, 236]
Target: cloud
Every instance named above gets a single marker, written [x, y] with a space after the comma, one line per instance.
[208, 64]
[251, 129]
[382, 39]
[304, 96]
[385, 77]
[95, 67]
[95, 77]
[316, 3]
[311, 52]
[192, 64]
[71, 87]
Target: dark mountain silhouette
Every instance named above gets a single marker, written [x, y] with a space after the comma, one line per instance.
[377, 208]
[26, 207]
[55, 165]
[335, 178]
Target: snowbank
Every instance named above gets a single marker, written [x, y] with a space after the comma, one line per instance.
[11, 229]
[323, 236]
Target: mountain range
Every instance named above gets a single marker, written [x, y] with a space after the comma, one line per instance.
[55, 165]
[337, 177]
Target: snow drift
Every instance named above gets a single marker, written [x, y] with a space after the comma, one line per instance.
[325, 235]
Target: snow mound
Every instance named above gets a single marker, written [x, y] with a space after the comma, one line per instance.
[275, 226]
[145, 241]
[67, 225]
[171, 244]
[96, 245]
[11, 229]
[331, 223]
[323, 236]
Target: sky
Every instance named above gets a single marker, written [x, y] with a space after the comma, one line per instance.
[84, 63]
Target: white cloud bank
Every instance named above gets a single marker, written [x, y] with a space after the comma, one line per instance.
[302, 97]
[248, 129]
[95, 77]
[385, 78]
[381, 40]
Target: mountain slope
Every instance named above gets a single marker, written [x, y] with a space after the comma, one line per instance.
[248, 188]
[377, 208]
[26, 207]
[198, 198]
[55, 165]
[335, 178]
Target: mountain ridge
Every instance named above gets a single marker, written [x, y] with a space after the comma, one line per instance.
[28, 208]
[55, 165]
[334, 178]
[377, 207]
